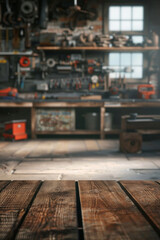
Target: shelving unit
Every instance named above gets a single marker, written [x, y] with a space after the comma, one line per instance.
[103, 107]
[74, 105]
[108, 49]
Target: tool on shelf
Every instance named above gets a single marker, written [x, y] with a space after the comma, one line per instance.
[13, 92]
[15, 130]
[146, 91]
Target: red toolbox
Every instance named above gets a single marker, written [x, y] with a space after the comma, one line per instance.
[15, 130]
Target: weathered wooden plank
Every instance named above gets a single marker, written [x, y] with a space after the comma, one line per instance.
[42, 149]
[92, 145]
[108, 145]
[3, 184]
[69, 104]
[108, 213]
[14, 200]
[76, 147]
[147, 196]
[16, 105]
[3, 145]
[97, 48]
[10, 149]
[52, 214]
[25, 149]
[61, 148]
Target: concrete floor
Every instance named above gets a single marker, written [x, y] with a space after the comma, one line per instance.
[77, 160]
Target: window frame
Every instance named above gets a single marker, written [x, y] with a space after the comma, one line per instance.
[121, 20]
[105, 14]
[126, 66]
[125, 4]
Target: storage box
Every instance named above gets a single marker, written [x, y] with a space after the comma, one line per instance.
[15, 130]
[50, 120]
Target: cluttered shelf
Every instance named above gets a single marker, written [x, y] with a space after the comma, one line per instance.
[87, 48]
[77, 117]
[18, 53]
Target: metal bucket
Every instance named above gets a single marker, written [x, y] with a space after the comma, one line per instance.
[92, 121]
[108, 121]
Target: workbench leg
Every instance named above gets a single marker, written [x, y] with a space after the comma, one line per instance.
[102, 115]
[33, 123]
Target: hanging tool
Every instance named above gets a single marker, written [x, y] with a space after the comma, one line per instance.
[44, 14]
[29, 11]
[22, 81]
[7, 38]
[22, 39]
[27, 35]
[73, 13]
[8, 16]
[51, 62]
[16, 39]
[24, 62]
[9, 92]
[89, 86]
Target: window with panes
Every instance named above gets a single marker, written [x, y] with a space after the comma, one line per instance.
[128, 20]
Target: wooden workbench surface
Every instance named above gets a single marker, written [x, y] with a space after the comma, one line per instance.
[89, 210]
[123, 103]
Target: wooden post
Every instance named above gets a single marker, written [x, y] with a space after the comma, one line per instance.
[102, 122]
[33, 123]
[123, 122]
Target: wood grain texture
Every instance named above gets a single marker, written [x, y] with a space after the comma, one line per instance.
[52, 214]
[14, 200]
[16, 104]
[42, 149]
[130, 104]
[108, 213]
[69, 104]
[10, 149]
[26, 149]
[3, 145]
[147, 196]
[92, 145]
[110, 49]
[3, 184]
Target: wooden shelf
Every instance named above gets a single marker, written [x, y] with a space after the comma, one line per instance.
[149, 131]
[109, 49]
[68, 104]
[132, 104]
[74, 132]
[112, 131]
[16, 104]
[17, 53]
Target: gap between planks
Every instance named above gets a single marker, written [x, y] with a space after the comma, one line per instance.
[108, 213]
[15, 199]
[116, 191]
[146, 197]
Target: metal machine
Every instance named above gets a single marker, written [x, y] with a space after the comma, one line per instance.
[146, 91]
